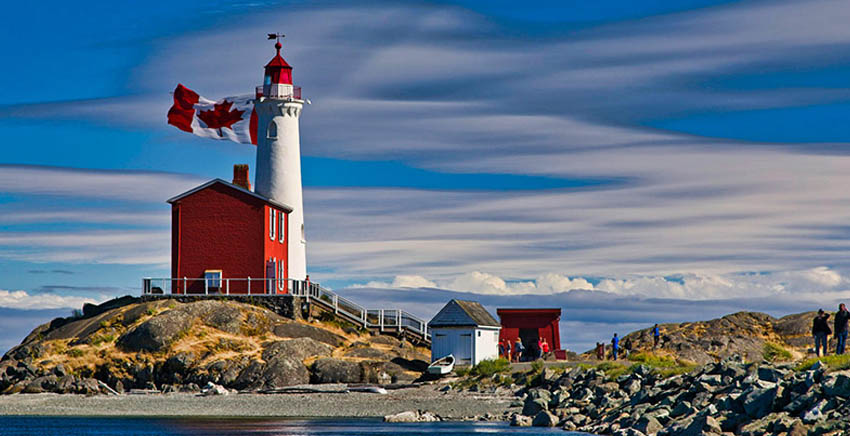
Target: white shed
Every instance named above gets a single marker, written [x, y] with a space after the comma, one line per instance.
[466, 330]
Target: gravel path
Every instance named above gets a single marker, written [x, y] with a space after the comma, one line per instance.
[450, 405]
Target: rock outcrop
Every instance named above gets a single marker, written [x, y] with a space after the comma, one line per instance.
[169, 346]
[743, 333]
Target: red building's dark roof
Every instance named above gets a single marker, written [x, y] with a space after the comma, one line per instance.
[282, 206]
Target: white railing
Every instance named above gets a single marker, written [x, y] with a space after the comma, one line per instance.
[381, 319]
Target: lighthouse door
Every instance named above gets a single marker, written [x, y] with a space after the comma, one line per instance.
[270, 276]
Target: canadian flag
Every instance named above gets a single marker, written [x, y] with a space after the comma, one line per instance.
[230, 118]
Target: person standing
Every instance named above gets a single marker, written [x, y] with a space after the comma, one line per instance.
[501, 348]
[545, 346]
[615, 346]
[840, 325]
[539, 347]
[820, 330]
[518, 349]
[508, 354]
[656, 336]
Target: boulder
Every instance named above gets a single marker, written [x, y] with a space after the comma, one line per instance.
[156, 333]
[298, 349]
[330, 370]
[284, 371]
[759, 402]
[544, 419]
[298, 330]
[648, 425]
[837, 384]
[533, 406]
[518, 420]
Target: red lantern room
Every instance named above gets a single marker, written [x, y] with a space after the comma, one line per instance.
[277, 81]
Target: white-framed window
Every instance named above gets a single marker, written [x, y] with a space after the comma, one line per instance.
[272, 130]
[272, 223]
[213, 278]
[280, 281]
[281, 221]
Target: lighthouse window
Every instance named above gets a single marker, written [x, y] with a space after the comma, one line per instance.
[303, 238]
[272, 131]
[281, 234]
[280, 275]
[272, 223]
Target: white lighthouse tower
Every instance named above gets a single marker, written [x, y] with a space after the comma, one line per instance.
[279, 153]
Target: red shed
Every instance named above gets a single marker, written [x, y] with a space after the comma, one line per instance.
[531, 325]
[221, 231]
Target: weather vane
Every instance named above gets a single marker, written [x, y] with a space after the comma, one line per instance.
[276, 36]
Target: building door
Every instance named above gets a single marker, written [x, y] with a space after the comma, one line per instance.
[465, 354]
[529, 339]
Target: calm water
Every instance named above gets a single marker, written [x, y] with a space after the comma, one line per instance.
[73, 426]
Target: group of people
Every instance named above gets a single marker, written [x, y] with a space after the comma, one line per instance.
[821, 330]
[617, 350]
[518, 352]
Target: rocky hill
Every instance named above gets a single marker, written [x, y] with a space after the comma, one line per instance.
[743, 333]
[169, 345]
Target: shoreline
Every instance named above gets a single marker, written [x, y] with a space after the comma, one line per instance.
[450, 406]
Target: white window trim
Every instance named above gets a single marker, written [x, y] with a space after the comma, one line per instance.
[281, 220]
[272, 223]
[280, 284]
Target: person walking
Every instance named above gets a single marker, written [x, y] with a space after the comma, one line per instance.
[840, 325]
[615, 346]
[656, 336]
[518, 349]
[600, 351]
[539, 352]
[820, 330]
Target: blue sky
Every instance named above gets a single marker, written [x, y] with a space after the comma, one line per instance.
[691, 151]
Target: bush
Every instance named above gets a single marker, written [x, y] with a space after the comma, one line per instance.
[537, 365]
[775, 353]
[490, 367]
[74, 352]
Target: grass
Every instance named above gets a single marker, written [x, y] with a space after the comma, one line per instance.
[662, 365]
[834, 362]
[773, 352]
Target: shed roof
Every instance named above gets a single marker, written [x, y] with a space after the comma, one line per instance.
[282, 206]
[461, 313]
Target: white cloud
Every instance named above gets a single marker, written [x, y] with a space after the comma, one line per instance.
[24, 300]
[684, 287]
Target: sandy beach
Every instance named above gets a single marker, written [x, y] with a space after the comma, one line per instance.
[451, 405]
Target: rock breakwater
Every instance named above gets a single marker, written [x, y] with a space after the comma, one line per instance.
[726, 398]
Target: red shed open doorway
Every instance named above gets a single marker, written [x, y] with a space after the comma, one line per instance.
[530, 325]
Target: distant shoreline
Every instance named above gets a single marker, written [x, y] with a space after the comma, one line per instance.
[449, 406]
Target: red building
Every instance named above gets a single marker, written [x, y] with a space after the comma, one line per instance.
[223, 233]
[530, 325]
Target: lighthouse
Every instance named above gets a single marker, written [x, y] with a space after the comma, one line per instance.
[278, 106]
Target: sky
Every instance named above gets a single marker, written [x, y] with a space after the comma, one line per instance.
[629, 162]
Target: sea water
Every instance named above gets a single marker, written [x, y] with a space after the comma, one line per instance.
[73, 426]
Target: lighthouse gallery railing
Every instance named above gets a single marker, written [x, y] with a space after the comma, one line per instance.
[381, 319]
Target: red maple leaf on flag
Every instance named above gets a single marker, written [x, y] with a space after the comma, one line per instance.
[221, 116]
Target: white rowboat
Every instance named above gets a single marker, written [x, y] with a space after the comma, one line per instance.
[442, 366]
